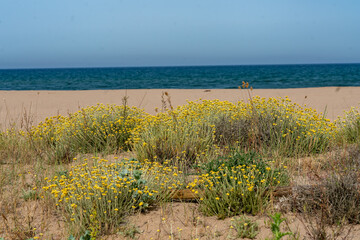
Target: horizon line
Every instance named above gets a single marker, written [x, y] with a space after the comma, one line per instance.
[174, 66]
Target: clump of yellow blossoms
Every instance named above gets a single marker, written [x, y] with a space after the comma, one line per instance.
[96, 191]
[198, 130]
[193, 132]
[349, 126]
[98, 128]
[241, 182]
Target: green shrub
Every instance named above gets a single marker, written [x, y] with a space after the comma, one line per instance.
[240, 183]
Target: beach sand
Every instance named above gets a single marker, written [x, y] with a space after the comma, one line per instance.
[38, 105]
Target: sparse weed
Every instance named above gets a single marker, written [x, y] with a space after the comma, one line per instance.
[129, 231]
[275, 227]
[244, 227]
[15, 147]
[327, 208]
[30, 195]
[336, 197]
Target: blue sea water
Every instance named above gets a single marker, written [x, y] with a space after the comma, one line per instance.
[201, 77]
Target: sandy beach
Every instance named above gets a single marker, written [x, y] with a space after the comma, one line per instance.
[41, 104]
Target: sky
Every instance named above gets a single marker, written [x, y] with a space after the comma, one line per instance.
[121, 33]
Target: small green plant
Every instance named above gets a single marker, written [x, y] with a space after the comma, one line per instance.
[275, 227]
[86, 236]
[129, 231]
[244, 227]
[62, 172]
[29, 195]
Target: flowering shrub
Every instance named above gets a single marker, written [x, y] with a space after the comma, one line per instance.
[98, 195]
[240, 183]
[288, 128]
[349, 126]
[199, 130]
[190, 133]
[94, 129]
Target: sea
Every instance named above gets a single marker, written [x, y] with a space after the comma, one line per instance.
[187, 77]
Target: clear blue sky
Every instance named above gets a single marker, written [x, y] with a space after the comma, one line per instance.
[102, 33]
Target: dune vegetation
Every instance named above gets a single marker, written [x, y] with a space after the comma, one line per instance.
[94, 168]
